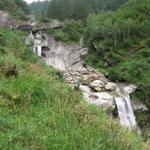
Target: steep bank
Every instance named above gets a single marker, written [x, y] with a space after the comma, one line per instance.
[39, 111]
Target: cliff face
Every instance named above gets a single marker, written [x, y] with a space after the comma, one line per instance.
[57, 54]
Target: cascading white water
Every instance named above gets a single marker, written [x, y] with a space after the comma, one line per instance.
[39, 50]
[125, 111]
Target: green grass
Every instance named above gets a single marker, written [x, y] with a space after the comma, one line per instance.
[39, 111]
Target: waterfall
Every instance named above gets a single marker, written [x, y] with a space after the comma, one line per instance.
[125, 111]
[63, 57]
[39, 50]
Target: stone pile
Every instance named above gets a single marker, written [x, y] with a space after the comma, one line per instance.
[96, 81]
[94, 86]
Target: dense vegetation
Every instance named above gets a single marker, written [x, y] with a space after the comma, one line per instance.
[119, 44]
[79, 9]
[39, 111]
[72, 9]
[17, 8]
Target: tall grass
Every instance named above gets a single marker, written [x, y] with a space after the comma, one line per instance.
[39, 111]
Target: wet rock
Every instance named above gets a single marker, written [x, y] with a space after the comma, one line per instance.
[110, 86]
[104, 100]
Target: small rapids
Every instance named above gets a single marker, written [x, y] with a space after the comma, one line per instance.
[125, 111]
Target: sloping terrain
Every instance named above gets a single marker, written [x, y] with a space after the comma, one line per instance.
[39, 111]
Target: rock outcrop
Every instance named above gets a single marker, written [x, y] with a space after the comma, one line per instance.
[96, 88]
[57, 54]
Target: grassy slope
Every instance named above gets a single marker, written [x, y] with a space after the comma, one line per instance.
[39, 111]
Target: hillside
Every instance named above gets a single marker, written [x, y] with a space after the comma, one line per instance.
[117, 38]
[45, 108]
[39, 111]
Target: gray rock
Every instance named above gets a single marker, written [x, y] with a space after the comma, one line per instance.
[110, 86]
[97, 85]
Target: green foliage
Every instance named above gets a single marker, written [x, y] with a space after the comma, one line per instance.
[70, 33]
[17, 8]
[39, 111]
[120, 45]
[143, 119]
[79, 9]
[119, 41]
